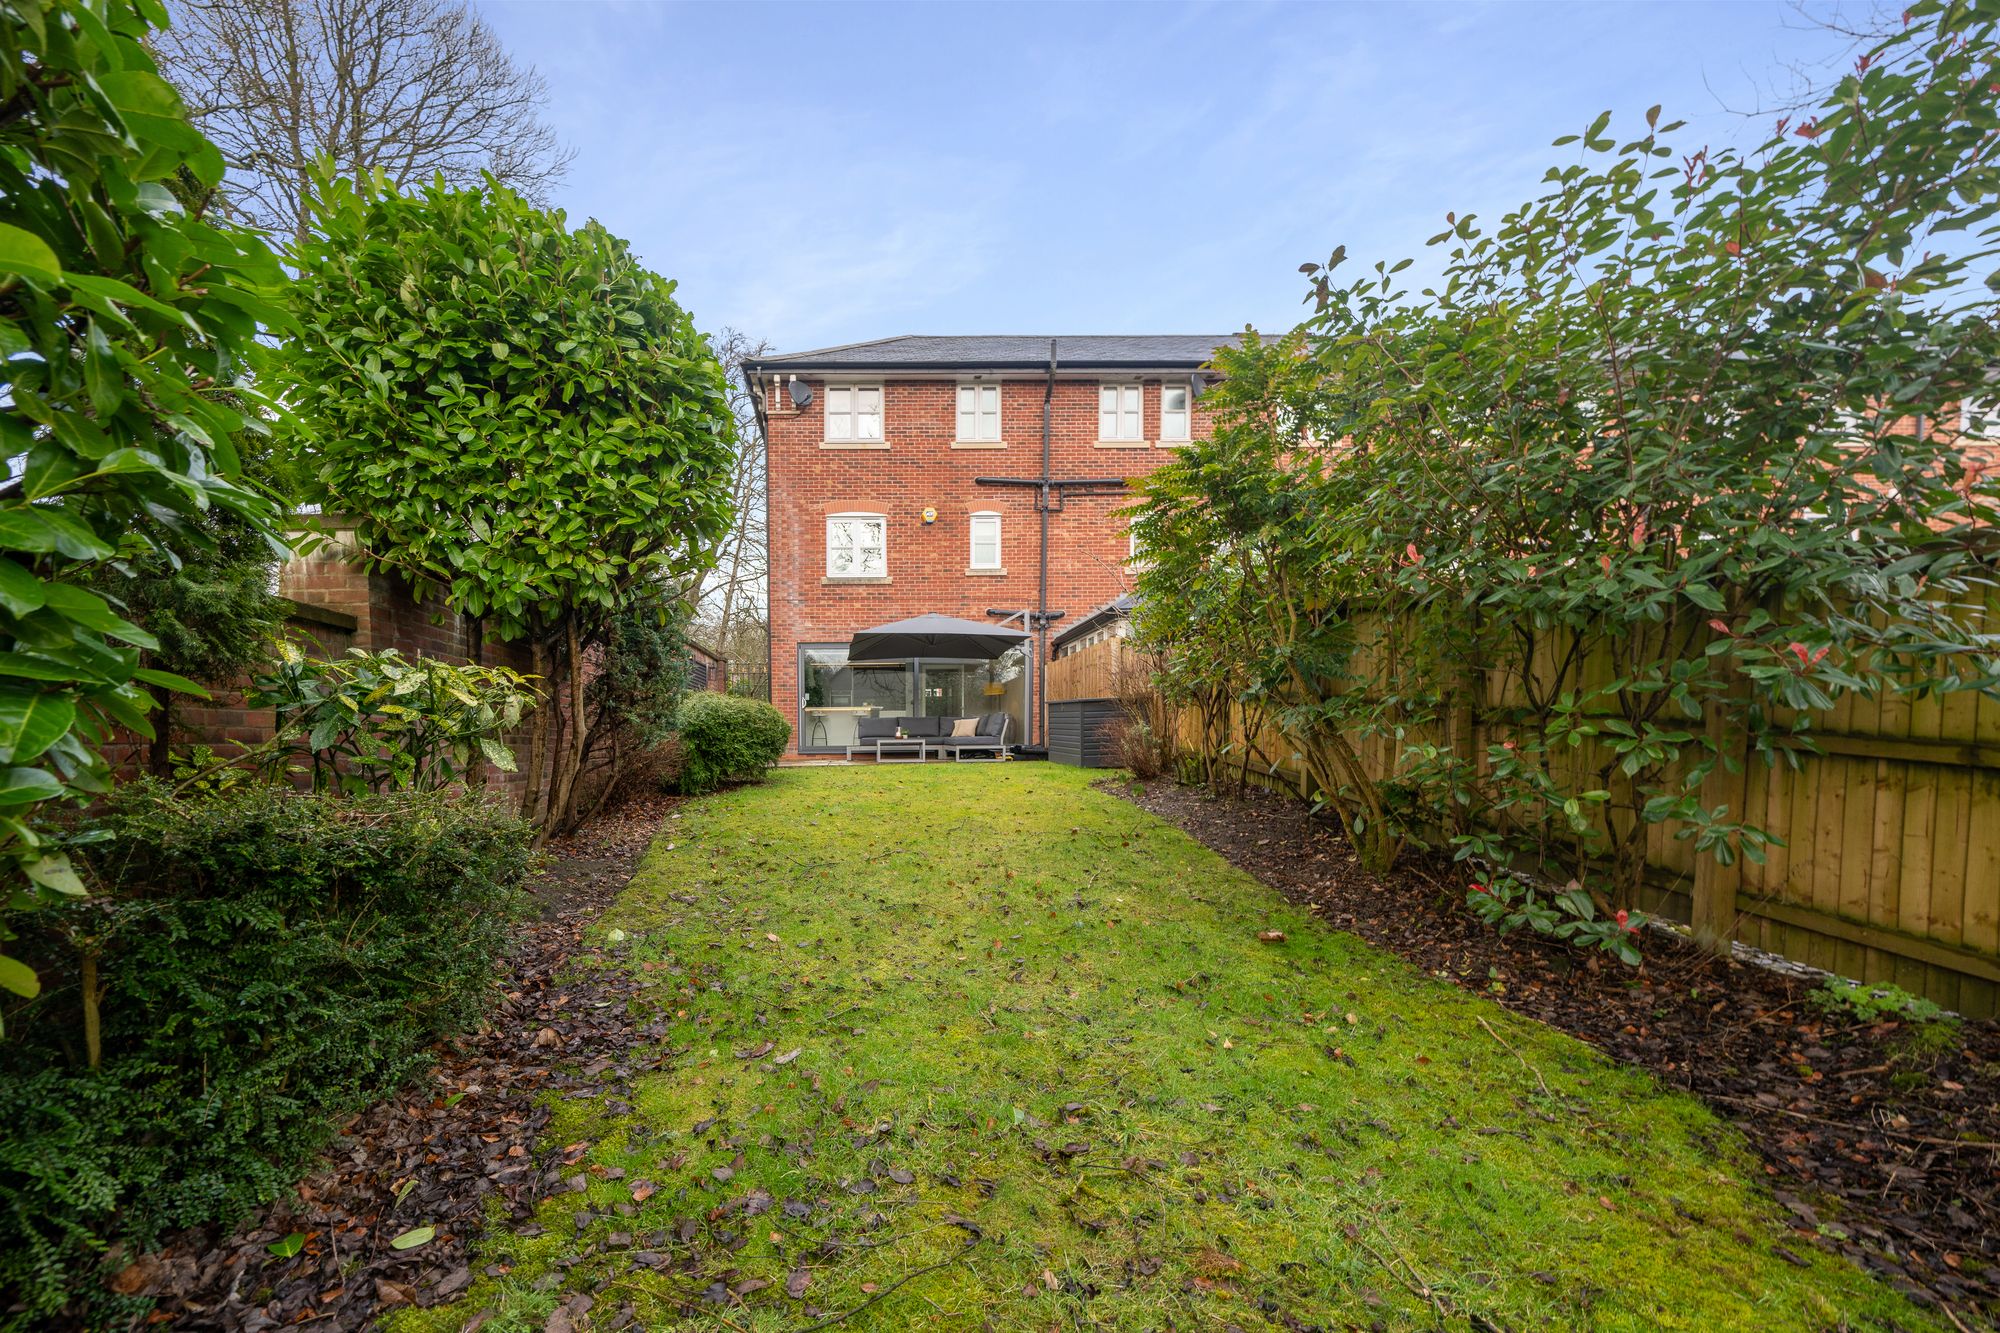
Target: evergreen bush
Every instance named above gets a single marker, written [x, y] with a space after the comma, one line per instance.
[726, 739]
[249, 967]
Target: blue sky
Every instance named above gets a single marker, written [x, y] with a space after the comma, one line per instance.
[828, 173]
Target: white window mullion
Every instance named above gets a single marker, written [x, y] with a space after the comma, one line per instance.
[1119, 414]
[985, 530]
[1174, 412]
[979, 413]
[839, 414]
[857, 546]
[853, 413]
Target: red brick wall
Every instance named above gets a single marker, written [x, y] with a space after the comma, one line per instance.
[360, 610]
[340, 606]
[919, 468]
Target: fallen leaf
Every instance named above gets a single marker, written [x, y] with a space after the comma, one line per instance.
[789, 1056]
[795, 1285]
[412, 1238]
[1215, 1263]
[394, 1293]
[136, 1276]
[1271, 936]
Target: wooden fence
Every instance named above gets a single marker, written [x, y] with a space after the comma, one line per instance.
[1094, 672]
[1890, 870]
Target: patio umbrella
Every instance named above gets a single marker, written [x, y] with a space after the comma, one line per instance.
[933, 636]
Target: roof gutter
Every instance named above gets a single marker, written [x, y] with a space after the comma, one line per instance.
[971, 367]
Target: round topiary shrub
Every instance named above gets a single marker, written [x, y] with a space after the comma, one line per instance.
[726, 739]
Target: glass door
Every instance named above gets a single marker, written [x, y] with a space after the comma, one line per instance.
[943, 690]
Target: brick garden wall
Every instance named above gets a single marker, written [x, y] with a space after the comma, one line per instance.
[336, 604]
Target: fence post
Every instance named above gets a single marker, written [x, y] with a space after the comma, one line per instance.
[1712, 911]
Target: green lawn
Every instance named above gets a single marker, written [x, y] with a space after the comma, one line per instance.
[1046, 1075]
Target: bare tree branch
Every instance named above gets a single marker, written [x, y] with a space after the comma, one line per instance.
[412, 88]
[730, 613]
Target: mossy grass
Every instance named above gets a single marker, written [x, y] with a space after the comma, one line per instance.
[1046, 1066]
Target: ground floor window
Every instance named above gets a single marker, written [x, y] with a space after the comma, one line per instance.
[835, 694]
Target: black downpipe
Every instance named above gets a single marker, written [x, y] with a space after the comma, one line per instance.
[1042, 583]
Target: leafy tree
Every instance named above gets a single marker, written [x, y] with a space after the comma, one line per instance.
[127, 322]
[635, 697]
[645, 668]
[1654, 467]
[520, 416]
[210, 608]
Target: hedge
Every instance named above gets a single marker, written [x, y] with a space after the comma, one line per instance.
[268, 963]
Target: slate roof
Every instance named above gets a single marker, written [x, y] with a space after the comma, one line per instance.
[987, 351]
[1116, 609]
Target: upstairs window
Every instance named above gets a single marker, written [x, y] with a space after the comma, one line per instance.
[986, 541]
[1174, 413]
[853, 412]
[857, 546]
[979, 412]
[1979, 417]
[1119, 415]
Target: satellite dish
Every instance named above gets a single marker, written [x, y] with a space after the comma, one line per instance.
[1197, 384]
[802, 394]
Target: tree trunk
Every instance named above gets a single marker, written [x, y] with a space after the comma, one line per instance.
[538, 733]
[93, 1027]
[160, 751]
[562, 805]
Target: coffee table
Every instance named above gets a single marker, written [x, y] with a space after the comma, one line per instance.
[909, 750]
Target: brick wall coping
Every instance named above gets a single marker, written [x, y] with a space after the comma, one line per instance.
[319, 615]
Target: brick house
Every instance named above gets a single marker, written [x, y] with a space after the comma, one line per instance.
[977, 477]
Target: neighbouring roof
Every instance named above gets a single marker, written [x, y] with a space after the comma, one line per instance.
[989, 351]
[1116, 609]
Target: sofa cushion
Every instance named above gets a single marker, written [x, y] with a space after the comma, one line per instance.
[965, 726]
[875, 728]
[993, 724]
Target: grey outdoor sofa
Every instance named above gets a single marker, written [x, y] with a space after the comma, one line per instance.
[989, 740]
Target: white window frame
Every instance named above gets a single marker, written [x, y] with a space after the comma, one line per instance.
[985, 426]
[977, 520]
[1131, 406]
[1980, 416]
[1186, 432]
[881, 522]
[844, 417]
